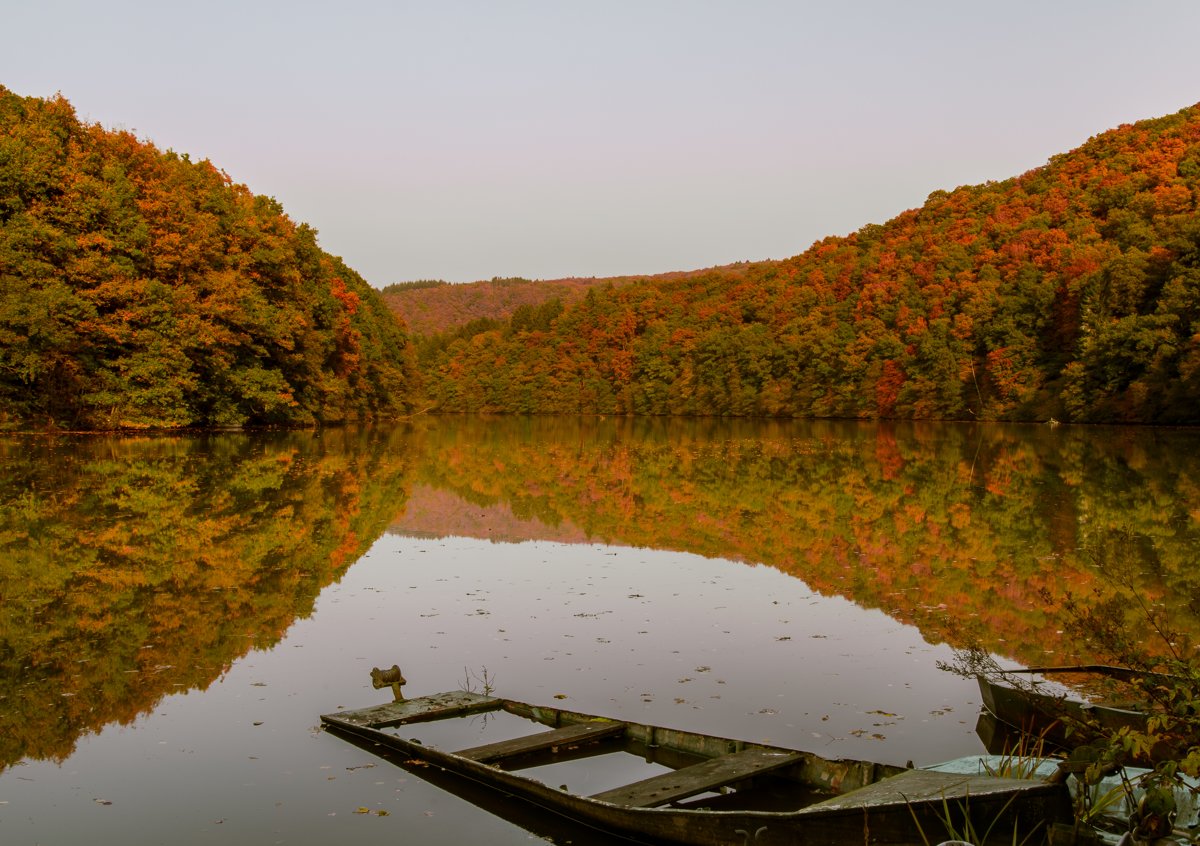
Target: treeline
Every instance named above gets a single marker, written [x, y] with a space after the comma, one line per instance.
[141, 289]
[1072, 292]
[414, 285]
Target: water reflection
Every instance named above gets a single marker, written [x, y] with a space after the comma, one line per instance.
[969, 532]
[134, 568]
[137, 567]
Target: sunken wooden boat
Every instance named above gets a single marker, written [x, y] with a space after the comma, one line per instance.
[1057, 721]
[1022, 716]
[707, 790]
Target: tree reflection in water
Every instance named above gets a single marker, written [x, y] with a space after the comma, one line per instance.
[136, 567]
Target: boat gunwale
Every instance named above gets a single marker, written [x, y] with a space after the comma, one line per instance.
[1056, 706]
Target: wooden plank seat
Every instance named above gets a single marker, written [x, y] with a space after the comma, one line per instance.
[437, 707]
[572, 736]
[698, 778]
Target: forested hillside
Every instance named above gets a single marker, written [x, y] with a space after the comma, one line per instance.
[430, 307]
[141, 289]
[1072, 291]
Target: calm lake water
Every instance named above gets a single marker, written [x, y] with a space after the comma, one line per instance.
[176, 613]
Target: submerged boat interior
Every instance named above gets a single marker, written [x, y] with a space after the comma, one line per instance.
[653, 783]
[623, 763]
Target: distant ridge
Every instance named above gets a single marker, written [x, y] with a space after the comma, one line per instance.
[431, 306]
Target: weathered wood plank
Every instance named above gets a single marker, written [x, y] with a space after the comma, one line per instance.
[915, 786]
[708, 775]
[416, 710]
[578, 734]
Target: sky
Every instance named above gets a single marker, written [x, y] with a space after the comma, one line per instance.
[467, 139]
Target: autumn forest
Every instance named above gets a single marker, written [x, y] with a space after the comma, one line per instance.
[141, 289]
[1070, 292]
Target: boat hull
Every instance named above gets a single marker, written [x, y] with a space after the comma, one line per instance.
[867, 802]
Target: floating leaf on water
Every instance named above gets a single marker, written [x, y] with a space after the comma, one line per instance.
[382, 813]
[362, 810]
[560, 696]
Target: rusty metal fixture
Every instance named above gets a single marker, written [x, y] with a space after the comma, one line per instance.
[389, 678]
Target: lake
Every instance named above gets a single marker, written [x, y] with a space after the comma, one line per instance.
[178, 611]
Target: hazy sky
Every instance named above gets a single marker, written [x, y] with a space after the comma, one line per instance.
[465, 140]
